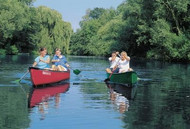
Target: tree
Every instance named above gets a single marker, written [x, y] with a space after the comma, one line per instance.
[54, 33]
[86, 39]
[25, 29]
[158, 29]
[13, 19]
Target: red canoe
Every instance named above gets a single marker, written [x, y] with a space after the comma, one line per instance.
[42, 76]
[42, 94]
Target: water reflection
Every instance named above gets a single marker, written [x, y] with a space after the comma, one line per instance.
[41, 96]
[120, 96]
[162, 101]
[13, 108]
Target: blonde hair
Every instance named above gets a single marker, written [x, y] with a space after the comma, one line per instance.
[124, 53]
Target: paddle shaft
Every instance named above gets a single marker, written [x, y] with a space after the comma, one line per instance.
[111, 73]
[23, 76]
[75, 71]
[108, 79]
[26, 74]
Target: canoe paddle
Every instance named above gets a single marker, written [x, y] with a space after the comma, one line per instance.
[108, 79]
[22, 77]
[76, 71]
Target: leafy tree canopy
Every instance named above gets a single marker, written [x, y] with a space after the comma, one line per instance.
[158, 29]
[24, 28]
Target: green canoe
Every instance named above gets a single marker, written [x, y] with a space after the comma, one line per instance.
[123, 78]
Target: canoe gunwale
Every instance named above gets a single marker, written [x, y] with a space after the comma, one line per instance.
[124, 73]
[48, 70]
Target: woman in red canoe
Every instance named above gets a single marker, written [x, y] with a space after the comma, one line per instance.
[43, 60]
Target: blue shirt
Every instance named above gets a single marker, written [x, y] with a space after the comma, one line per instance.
[41, 64]
[62, 61]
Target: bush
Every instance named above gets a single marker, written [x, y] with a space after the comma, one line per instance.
[2, 52]
[11, 50]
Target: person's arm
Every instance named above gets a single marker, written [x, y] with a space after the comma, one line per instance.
[115, 67]
[48, 60]
[45, 61]
[117, 53]
[34, 64]
[66, 63]
[127, 58]
[55, 59]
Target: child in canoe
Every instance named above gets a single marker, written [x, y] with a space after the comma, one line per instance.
[59, 61]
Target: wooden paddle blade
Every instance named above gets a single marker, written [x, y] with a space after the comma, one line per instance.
[76, 71]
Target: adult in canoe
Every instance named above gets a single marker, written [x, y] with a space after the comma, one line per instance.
[123, 63]
[43, 60]
[113, 62]
[59, 61]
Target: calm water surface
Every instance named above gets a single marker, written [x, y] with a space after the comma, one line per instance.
[160, 100]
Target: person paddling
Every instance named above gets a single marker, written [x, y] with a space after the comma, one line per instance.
[43, 60]
[113, 62]
[123, 63]
[59, 61]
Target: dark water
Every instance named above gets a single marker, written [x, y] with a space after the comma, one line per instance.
[160, 100]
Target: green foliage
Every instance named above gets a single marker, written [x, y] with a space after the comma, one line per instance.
[12, 18]
[96, 13]
[88, 40]
[28, 2]
[11, 49]
[2, 52]
[53, 32]
[26, 29]
[108, 37]
[14, 50]
[158, 29]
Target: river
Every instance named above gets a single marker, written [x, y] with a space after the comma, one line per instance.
[160, 99]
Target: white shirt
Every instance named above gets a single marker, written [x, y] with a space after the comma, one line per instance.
[123, 66]
[113, 63]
